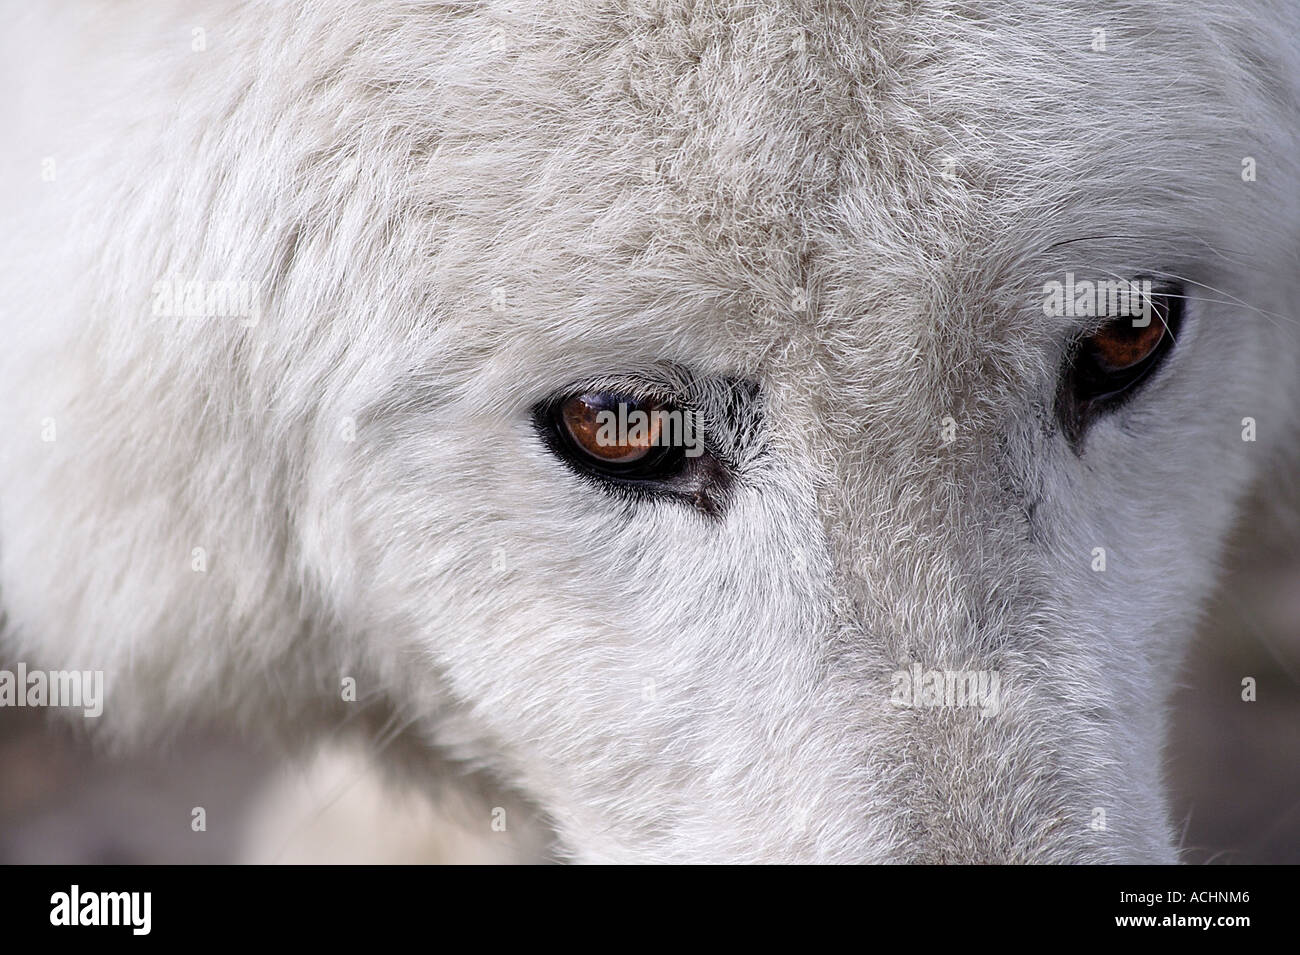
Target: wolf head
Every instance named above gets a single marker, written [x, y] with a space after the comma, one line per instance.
[288, 324]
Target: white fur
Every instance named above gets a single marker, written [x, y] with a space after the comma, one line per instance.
[649, 183]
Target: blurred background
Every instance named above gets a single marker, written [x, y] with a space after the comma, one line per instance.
[1233, 767]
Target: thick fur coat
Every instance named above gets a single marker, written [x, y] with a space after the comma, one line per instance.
[450, 211]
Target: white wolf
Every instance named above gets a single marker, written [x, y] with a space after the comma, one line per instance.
[298, 300]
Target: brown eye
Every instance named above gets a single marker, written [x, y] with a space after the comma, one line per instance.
[620, 437]
[1122, 344]
[643, 448]
[613, 429]
[1106, 367]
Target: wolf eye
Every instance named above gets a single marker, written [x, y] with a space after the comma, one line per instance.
[1122, 345]
[591, 421]
[634, 446]
[1106, 367]
[619, 437]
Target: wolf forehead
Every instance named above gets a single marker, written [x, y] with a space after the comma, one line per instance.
[726, 176]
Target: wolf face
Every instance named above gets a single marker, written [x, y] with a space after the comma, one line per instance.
[923, 593]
